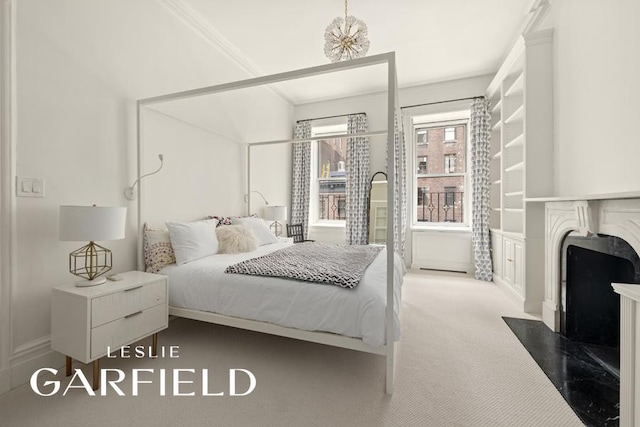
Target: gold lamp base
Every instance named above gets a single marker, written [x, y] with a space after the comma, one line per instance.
[90, 262]
[276, 228]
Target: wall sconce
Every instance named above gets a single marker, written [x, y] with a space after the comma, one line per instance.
[129, 191]
[246, 197]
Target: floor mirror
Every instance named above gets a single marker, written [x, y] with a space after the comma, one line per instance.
[377, 210]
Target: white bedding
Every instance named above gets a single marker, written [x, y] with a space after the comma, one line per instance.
[202, 285]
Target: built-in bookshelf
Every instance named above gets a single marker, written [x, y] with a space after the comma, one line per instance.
[521, 164]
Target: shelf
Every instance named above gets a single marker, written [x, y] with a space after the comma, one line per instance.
[514, 210]
[497, 155]
[516, 116]
[517, 166]
[514, 193]
[497, 106]
[516, 87]
[515, 142]
[497, 209]
[498, 182]
[497, 126]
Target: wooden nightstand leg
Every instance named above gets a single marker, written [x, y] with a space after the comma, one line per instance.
[96, 374]
[154, 345]
[68, 365]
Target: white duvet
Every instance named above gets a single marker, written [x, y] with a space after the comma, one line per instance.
[202, 285]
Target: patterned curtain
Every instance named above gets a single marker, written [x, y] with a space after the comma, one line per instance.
[480, 158]
[400, 188]
[301, 182]
[357, 181]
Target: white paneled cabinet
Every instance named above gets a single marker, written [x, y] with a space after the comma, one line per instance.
[521, 166]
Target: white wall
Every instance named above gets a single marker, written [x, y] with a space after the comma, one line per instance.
[596, 92]
[202, 174]
[80, 68]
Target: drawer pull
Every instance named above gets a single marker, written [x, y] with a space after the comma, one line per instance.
[133, 289]
[132, 314]
[509, 259]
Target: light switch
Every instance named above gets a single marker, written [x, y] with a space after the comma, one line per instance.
[29, 187]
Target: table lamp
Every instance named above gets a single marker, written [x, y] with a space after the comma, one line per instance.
[276, 213]
[91, 223]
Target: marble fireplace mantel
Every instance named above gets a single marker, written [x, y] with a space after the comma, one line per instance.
[613, 214]
[629, 353]
[616, 215]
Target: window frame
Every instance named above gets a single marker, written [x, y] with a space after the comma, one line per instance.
[455, 137]
[331, 130]
[441, 121]
[447, 164]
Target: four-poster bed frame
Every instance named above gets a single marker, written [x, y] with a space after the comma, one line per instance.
[388, 349]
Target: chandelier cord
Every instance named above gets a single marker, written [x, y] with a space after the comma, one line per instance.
[345, 13]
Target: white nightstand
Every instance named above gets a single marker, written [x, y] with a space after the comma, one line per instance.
[85, 321]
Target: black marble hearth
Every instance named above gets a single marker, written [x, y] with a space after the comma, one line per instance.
[590, 389]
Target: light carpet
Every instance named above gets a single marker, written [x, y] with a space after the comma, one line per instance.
[458, 365]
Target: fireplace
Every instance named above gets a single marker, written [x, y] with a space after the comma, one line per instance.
[589, 307]
[611, 215]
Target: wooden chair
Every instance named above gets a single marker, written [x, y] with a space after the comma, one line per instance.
[296, 231]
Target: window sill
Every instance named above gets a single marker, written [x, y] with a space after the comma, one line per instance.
[442, 228]
[337, 224]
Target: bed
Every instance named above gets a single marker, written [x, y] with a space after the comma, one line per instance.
[365, 315]
[202, 285]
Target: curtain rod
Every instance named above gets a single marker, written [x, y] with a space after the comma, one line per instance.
[442, 102]
[329, 117]
[406, 106]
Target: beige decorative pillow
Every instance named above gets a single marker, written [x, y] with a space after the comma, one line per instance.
[233, 239]
[158, 252]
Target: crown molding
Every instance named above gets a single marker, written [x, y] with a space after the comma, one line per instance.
[204, 29]
[537, 11]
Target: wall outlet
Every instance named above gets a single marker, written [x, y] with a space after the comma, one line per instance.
[29, 187]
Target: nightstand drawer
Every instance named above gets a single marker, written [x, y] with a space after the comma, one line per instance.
[127, 329]
[113, 306]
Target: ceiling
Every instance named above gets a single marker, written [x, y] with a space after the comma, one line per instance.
[434, 40]
[145, 48]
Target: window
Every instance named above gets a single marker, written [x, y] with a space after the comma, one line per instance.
[329, 175]
[422, 165]
[449, 163]
[449, 196]
[449, 134]
[440, 173]
[422, 137]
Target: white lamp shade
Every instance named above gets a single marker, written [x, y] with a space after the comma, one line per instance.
[275, 213]
[92, 223]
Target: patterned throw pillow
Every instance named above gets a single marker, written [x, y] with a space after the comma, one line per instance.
[228, 220]
[222, 220]
[158, 252]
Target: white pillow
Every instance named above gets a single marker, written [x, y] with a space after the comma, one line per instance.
[233, 239]
[260, 229]
[193, 240]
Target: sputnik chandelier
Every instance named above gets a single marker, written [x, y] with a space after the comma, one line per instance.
[346, 38]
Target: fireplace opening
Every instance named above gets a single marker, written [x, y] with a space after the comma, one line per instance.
[590, 309]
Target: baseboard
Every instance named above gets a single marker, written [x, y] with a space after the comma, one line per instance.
[5, 380]
[459, 267]
[26, 360]
[21, 373]
[509, 292]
